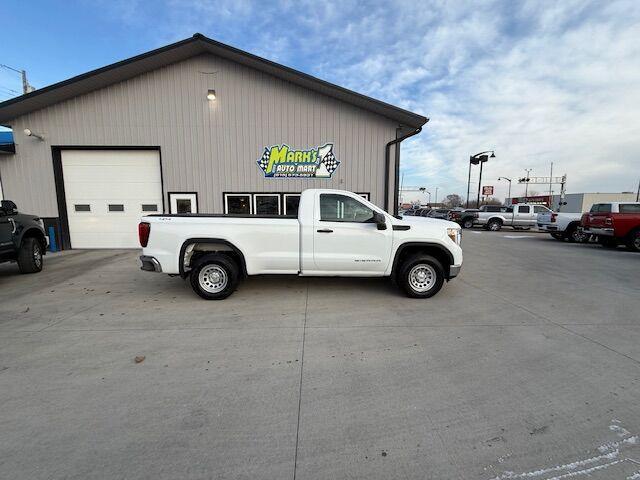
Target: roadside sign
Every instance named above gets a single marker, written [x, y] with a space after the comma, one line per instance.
[487, 190]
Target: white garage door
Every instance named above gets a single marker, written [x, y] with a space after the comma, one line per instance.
[107, 191]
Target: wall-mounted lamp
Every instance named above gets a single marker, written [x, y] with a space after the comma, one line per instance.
[211, 95]
[29, 133]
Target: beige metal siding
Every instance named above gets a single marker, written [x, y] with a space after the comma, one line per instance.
[208, 147]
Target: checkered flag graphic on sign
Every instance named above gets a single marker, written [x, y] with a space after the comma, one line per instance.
[330, 162]
[264, 161]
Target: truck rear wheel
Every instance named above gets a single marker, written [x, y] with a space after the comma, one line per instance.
[214, 277]
[30, 256]
[494, 225]
[575, 234]
[633, 242]
[467, 223]
[420, 276]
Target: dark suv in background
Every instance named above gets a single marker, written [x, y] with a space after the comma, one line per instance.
[22, 238]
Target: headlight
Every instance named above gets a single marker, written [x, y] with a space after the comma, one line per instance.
[454, 234]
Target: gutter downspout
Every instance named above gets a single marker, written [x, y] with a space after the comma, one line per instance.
[387, 167]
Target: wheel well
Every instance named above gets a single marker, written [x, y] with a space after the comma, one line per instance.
[37, 234]
[437, 251]
[496, 219]
[195, 248]
[574, 224]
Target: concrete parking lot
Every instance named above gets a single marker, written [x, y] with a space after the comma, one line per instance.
[526, 366]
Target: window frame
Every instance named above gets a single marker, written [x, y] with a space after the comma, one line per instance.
[193, 196]
[267, 194]
[109, 210]
[284, 201]
[234, 194]
[370, 220]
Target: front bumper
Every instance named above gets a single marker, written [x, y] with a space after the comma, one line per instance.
[603, 232]
[454, 270]
[149, 264]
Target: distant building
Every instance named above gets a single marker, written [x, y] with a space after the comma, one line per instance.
[575, 202]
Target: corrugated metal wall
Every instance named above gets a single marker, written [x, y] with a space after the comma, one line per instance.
[208, 147]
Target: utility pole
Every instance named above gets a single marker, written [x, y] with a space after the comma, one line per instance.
[638, 194]
[436, 202]
[26, 88]
[551, 188]
[526, 186]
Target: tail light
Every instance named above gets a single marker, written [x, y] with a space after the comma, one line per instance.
[554, 216]
[144, 229]
[608, 220]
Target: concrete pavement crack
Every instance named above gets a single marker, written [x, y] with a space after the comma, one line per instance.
[304, 331]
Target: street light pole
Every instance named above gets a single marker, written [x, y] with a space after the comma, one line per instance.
[526, 185]
[508, 180]
[436, 201]
[478, 158]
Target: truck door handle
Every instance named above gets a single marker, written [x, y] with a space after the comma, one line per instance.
[325, 230]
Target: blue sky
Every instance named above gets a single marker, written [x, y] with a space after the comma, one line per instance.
[538, 81]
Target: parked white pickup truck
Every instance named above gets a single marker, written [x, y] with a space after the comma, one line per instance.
[562, 226]
[518, 216]
[336, 233]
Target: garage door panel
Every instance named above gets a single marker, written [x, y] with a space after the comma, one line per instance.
[104, 191]
[100, 178]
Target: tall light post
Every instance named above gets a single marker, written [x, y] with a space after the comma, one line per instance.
[436, 200]
[478, 158]
[526, 184]
[508, 180]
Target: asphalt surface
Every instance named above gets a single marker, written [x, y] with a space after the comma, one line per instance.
[525, 366]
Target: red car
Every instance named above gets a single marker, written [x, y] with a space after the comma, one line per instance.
[614, 223]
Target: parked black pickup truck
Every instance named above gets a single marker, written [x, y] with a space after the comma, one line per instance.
[22, 238]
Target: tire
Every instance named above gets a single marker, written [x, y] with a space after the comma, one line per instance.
[633, 241]
[575, 234]
[30, 256]
[467, 223]
[558, 236]
[420, 276]
[494, 225]
[608, 242]
[215, 277]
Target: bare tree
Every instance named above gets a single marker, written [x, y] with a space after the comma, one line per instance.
[453, 200]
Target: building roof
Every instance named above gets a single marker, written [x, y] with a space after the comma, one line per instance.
[182, 50]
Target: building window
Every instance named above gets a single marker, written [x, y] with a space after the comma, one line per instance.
[149, 207]
[82, 207]
[266, 204]
[237, 204]
[291, 203]
[116, 207]
[183, 202]
[364, 195]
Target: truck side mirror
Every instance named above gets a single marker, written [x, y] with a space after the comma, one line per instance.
[379, 220]
[8, 207]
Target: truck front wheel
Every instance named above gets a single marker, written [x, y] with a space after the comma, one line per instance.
[633, 242]
[214, 277]
[30, 256]
[494, 225]
[421, 276]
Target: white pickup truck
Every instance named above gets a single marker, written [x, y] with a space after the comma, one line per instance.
[562, 226]
[336, 233]
[518, 216]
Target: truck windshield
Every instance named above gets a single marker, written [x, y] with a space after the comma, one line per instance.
[341, 208]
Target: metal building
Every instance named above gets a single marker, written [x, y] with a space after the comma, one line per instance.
[196, 126]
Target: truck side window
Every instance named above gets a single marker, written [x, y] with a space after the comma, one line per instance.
[524, 209]
[340, 208]
[630, 208]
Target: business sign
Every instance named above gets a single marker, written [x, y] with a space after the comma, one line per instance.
[284, 161]
[488, 190]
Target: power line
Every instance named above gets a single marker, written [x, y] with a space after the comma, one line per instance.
[10, 68]
[10, 90]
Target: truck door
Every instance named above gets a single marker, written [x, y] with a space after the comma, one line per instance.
[522, 215]
[6, 232]
[346, 239]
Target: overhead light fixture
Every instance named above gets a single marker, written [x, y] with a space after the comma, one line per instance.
[211, 95]
[493, 155]
[29, 133]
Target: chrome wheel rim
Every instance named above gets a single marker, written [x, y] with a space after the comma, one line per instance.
[37, 256]
[422, 277]
[578, 236]
[213, 279]
[493, 227]
[636, 241]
